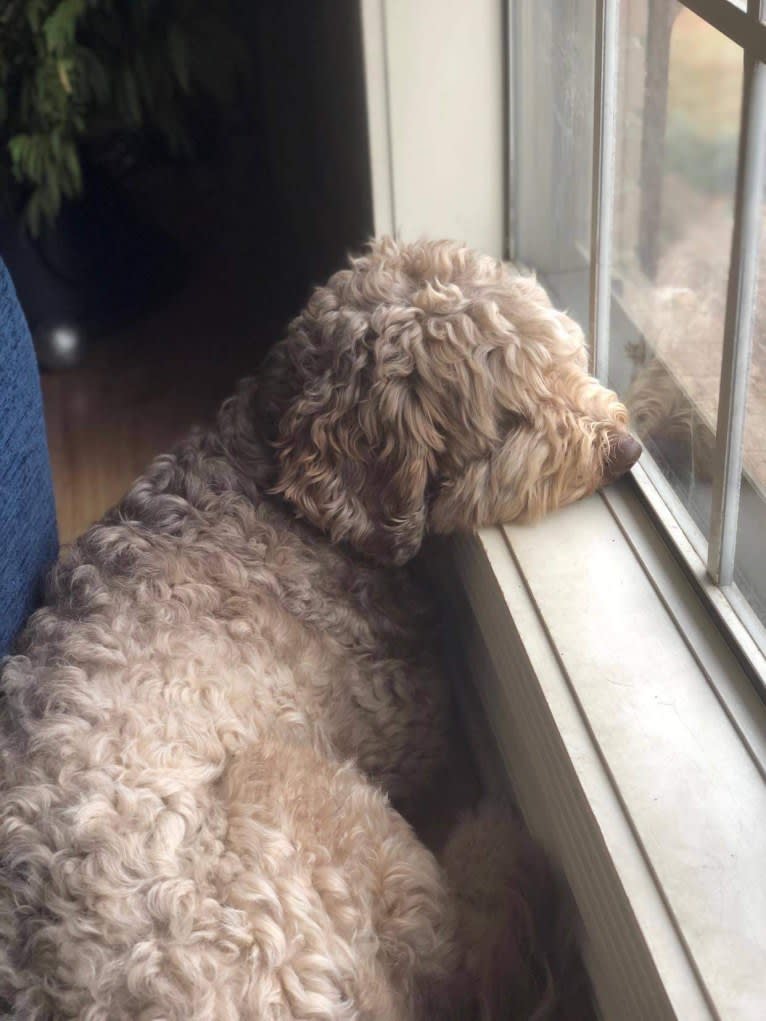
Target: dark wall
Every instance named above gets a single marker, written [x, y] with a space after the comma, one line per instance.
[309, 83]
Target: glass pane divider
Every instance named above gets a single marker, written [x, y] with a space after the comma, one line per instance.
[743, 27]
[513, 87]
[602, 203]
[738, 328]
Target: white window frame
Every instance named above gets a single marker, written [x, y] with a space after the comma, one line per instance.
[746, 29]
[709, 564]
[639, 763]
[714, 556]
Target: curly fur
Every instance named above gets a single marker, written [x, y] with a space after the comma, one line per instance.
[203, 725]
[663, 415]
[430, 386]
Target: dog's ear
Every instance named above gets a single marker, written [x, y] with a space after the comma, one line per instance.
[355, 447]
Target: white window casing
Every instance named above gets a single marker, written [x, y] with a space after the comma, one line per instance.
[441, 174]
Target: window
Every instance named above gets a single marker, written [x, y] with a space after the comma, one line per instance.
[638, 131]
[626, 725]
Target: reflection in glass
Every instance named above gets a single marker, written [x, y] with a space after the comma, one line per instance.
[750, 556]
[553, 107]
[678, 123]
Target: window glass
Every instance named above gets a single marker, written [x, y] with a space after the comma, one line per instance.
[750, 557]
[552, 96]
[677, 136]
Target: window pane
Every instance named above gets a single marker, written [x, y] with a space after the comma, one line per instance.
[678, 122]
[750, 557]
[553, 109]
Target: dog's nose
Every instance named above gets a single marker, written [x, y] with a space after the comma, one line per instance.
[624, 451]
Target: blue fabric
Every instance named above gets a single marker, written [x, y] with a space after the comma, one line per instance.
[28, 538]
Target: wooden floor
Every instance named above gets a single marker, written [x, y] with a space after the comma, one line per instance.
[141, 389]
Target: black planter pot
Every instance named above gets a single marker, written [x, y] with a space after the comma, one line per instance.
[99, 266]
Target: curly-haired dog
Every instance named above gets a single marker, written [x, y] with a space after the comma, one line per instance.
[203, 724]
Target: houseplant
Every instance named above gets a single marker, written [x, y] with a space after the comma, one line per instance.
[79, 81]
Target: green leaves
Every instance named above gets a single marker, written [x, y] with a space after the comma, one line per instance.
[73, 70]
[51, 163]
[44, 93]
[60, 27]
[179, 57]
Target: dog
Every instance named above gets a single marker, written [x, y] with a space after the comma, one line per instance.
[669, 424]
[231, 681]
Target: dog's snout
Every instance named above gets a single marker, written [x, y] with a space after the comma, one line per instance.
[624, 451]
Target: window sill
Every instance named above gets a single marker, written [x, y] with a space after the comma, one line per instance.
[634, 744]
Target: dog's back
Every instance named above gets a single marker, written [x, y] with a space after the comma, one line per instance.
[200, 670]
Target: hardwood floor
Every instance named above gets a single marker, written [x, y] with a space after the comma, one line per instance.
[140, 390]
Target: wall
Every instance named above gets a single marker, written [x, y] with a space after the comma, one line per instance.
[435, 95]
[311, 108]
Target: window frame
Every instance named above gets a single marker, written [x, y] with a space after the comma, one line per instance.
[709, 562]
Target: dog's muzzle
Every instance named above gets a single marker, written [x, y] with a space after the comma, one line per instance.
[624, 451]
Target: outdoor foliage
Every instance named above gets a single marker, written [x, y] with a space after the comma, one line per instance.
[72, 71]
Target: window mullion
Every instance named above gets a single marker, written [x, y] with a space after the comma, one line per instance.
[732, 22]
[738, 329]
[602, 204]
[514, 86]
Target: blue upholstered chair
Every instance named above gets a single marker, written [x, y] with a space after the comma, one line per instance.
[28, 540]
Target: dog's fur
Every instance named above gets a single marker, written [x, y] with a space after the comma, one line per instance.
[231, 675]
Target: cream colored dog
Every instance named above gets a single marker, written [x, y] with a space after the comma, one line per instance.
[204, 723]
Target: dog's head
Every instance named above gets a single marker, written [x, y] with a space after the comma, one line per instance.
[429, 387]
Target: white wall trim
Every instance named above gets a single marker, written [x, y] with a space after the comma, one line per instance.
[378, 123]
[434, 81]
